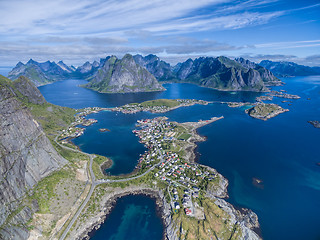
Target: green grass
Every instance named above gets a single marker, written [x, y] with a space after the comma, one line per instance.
[215, 226]
[45, 189]
[161, 102]
[96, 166]
[52, 118]
[184, 136]
[70, 155]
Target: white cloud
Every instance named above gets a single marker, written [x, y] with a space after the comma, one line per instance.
[89, 29]
[291, 44]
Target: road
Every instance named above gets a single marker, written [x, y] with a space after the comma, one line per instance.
[95, 182]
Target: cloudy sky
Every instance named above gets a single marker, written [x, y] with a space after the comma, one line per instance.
[79, 30]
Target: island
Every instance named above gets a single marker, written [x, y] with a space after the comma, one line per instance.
[104, 130]
[282, 94]
[158, 105]
[237, 104]
[257, 183]
[316, 124]
[265, 111]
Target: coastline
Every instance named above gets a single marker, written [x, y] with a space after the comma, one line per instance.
[245, 219]
[110, 202]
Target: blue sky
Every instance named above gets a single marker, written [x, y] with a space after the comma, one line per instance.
[79, 30]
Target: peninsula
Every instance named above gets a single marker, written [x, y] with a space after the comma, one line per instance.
[188, 194]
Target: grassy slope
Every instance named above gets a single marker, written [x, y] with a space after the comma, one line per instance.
[161, 102]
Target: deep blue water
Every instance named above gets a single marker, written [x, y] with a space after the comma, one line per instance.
[282, 151]
[134, 217]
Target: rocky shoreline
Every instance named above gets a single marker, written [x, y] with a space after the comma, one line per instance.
[163, 209]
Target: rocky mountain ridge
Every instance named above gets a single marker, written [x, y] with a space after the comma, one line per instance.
[41, 73]
[289, 69]
[26, 154]
[160, 69]
[220, 73]
[225, 74]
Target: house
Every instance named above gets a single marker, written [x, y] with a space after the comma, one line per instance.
[188, 211]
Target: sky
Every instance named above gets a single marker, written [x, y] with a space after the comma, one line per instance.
[77, 31]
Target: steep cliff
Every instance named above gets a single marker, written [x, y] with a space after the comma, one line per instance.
[123, 75]
[26, 154]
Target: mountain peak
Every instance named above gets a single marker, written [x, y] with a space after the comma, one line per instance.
[29, 90]
[31, 61]
[123, 75]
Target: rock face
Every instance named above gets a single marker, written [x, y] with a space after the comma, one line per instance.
[289, 69]
[41, 73]
[160, 69]
[225, 74]
[26, 154]
[123, 75]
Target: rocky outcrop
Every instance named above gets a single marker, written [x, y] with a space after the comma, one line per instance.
[123, 75]
[41, 73]
[225, 74]
[26, 156]
[246, 219]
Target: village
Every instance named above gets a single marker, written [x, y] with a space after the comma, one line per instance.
[72, 131]
[186, 181]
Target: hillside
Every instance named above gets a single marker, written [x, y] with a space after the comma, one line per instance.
[27, 155]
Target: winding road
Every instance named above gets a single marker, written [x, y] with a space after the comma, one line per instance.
[95, 182]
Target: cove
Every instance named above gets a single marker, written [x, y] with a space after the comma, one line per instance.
[133, 217]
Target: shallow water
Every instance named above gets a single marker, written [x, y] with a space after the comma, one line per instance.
[134, 217]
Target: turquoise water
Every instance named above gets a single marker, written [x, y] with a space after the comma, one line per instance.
[282, 151]
[133, 217]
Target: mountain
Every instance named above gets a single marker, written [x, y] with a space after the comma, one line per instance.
[289, 69]
[88, 70]
[123, 75]
[41, 73]
[267, 76]
[223, 73]
[27, 155]
[160, 69]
